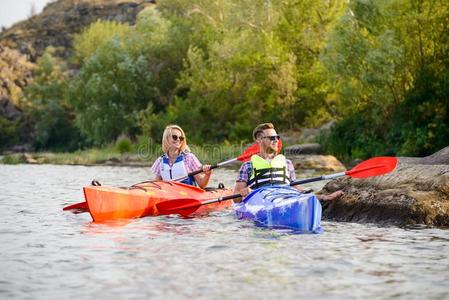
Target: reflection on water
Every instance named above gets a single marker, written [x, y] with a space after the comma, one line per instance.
[47, 253]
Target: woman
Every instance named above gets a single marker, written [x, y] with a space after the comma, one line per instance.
[177, 160]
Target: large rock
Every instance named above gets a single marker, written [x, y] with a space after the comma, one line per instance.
[60, 20]
[319, 163]
[302, 149]
[438, 158]
[412, 194]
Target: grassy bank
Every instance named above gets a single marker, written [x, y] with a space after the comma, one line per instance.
[131, 155]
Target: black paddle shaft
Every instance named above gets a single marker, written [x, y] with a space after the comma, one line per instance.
[201, 170]
[303, 181]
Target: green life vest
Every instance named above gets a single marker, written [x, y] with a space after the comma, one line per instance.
[268, 173]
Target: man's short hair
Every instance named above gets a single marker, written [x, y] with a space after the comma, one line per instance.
[260, 128]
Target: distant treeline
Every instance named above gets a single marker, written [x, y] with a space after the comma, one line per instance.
[380, 68]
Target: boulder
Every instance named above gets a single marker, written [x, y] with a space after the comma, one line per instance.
[29, 159]
[61, 19]
[417, 192]
[302, 149]
[319, 163]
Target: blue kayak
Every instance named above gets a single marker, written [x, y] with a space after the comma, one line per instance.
[281, 207]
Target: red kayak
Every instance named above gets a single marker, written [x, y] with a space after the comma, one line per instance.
[106, 203]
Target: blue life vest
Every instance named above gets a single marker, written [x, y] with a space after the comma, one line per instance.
[177, 170]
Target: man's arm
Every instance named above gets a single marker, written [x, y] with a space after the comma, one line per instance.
[241, 188]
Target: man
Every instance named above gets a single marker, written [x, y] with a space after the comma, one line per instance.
[268, 168]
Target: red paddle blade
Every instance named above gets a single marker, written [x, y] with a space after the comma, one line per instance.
[254, 149]
[183, 207]
[373, 167]
[82, 206]
[250, 151]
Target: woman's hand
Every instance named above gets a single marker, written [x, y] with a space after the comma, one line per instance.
[207, 170]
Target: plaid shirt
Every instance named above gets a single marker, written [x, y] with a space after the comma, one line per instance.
[247, 168]
[191, 163]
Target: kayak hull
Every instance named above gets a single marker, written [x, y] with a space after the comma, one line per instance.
[281, 207]
[113, 203]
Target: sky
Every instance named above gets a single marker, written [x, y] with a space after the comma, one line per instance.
[12, 11]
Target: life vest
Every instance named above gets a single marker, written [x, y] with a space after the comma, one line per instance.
[268, 173]
[177, 170]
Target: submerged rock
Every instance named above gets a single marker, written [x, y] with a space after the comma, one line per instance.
[417, 192]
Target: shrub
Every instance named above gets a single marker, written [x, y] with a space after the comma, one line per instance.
[9, 132]
[124, 145]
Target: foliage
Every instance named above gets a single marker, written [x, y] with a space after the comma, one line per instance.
[110, 89]
[124, 145]
[124, 77]
[9, 132]
[389, 62]
[96, 35]
[421, 121]
[52, 114]
[13, 159]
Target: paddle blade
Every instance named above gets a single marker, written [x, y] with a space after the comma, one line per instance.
[250, 151]
[254, 149]
[78, 207]
[183, 207]
[373, 167]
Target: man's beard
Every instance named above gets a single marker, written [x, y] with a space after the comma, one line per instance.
[271, 150]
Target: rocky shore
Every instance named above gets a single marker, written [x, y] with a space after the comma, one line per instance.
[416, 193]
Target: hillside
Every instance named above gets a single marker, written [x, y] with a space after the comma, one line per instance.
[24, 42]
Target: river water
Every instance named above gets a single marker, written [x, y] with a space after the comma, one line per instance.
[50, 254]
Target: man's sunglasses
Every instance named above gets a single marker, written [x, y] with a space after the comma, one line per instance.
[273, 137]
[175, 138]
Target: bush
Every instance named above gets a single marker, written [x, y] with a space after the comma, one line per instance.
[124, 145]
[9, 132]
[418, 126]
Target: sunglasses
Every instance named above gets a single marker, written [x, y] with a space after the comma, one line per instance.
[273, 137]
[175, 138]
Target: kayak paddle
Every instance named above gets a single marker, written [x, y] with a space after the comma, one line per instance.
[80, 207]
[375, 166]
[185, 207]
[372, 167]
[245, 156]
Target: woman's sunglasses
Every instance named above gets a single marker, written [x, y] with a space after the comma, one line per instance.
[175, 138]
[273, 137]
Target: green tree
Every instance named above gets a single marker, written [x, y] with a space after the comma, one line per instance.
[384, 57]
[96, 35]
[52, 115]
[109, 91]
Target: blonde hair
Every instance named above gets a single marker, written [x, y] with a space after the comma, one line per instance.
[260, 128]
[166, 136]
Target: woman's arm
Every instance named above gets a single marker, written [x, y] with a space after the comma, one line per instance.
[202, 179]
